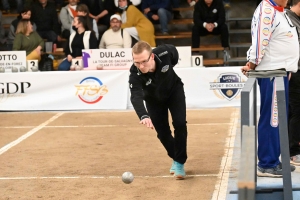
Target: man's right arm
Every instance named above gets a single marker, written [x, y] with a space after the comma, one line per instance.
[262, 27]
[137, 97]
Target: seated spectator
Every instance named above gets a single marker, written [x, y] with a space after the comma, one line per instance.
[135, 23]
[83, 10]
[115, 37]
[44, 15]
[209, 18]
[158, 11]
[82, 38]
[24, 14]
[101, 10]
[6, 6]
[28, 40]
[66, 17]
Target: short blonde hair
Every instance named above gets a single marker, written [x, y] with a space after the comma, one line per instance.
[140, 46]
[22, 26]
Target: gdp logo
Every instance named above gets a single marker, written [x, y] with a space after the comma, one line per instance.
[91, 90]
[228, 85]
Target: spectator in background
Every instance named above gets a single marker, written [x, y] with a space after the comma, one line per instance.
[158, 11]
[66, 17]
[294, 94]
[83, 10]
[2, 35]
[44, 15]
[101, 10]
[135, 23]
[82, 38]
[29, 40]
[115, 37]
[209, 18]
[24, 14]
[6, 6]
[274, 46]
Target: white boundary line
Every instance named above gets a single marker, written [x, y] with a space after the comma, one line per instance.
[99, 126]
[97, 177]
[29, 133]
[220, 191]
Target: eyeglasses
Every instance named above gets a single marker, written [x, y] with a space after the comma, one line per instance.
[143, 62]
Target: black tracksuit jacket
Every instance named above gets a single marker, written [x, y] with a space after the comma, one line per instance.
[154, 86]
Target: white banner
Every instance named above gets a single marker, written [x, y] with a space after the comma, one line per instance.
[211, 87]
[76, 90]
[108, 89]
[9, 59]
[107, 58]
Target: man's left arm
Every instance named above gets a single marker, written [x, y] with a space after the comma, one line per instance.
[173, 53]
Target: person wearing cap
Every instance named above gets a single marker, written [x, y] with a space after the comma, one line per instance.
[115, 37]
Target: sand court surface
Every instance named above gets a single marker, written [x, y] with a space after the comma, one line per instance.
[82, 155]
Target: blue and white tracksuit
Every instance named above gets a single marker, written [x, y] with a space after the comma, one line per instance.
[274, 46]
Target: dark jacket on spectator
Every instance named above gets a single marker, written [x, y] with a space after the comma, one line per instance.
[214, 13]
[96, 7]
[46, 19]
[154, 5]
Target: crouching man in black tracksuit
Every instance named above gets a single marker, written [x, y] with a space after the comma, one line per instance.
[153, 80]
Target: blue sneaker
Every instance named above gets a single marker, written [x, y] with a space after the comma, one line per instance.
[179, 171]
[172, 169]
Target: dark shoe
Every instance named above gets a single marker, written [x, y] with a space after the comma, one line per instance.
[275, 172]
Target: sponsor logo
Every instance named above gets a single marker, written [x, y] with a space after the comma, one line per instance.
[266, 31]
[13, 89]
[265, 42]
[227, 85]
[267, 10]
[289, 34]
[91, 90]
[267, 20]
[274, 108]
[165, 68]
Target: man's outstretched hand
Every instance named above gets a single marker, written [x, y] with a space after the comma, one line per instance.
[147, 122]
